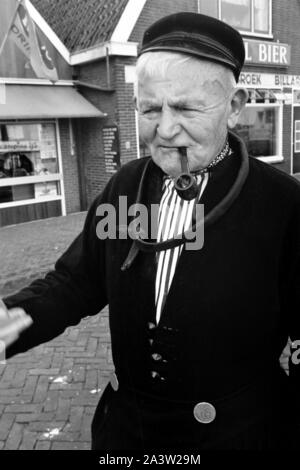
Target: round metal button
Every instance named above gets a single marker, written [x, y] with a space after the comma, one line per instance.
[204, 412]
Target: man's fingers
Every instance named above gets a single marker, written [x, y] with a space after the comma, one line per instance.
[16, 322]
[8, 340]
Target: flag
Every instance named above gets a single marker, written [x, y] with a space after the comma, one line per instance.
[24, 34]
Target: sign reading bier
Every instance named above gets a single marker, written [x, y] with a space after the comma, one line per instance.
[267, 53]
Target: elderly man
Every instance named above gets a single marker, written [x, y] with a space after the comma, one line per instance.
[196, 333]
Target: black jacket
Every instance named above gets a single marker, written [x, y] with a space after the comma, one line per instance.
[231, 306]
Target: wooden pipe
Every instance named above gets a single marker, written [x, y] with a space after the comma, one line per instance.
[186, 183]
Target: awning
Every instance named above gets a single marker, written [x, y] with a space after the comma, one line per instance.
[45, 101]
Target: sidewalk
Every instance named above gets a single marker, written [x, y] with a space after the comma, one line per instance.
[48, 395]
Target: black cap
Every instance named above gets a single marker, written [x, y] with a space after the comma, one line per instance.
[198, 35]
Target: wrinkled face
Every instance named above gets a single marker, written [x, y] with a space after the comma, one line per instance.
[188, 106]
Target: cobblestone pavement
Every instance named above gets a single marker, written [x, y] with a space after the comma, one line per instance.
[48, 395]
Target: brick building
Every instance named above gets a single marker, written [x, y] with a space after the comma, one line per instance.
[98, 41]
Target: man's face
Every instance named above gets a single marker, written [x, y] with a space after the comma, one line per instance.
[188, 107]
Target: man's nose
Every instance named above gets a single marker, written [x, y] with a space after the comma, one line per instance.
[168, 126]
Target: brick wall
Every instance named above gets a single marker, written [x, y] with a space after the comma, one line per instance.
[286, 20]
[70, 169]
[155, 9]
[89, 131]
[125, 111]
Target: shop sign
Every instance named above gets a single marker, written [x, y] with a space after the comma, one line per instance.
[269, 80]
[23, 146]
[267, 53]
[111, 148]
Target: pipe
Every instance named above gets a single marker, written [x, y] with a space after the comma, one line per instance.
[186, 183]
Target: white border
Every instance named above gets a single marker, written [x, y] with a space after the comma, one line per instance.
[59, 177]
[29, 179]
[61, 169]
[272, 158]
[27, 202]
[35, 81]
[128, 49]
[45, 28]
[128, 20]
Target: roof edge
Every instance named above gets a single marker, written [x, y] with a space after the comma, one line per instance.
[48, 31]
[128, 20]
[129, 49]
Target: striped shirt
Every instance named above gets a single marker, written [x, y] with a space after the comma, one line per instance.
[174, 218]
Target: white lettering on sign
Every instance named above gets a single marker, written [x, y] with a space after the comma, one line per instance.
[269, 80]
[253, 79]
[268, 53]
[248, 57]
[17, 146]
[287, 80]
[272, 54]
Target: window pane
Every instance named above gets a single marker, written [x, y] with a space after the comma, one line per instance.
[21, 192]
[261, 16]
[237, 13]
[209, 7]
[27, 150]
[297, 125]
[258, 126]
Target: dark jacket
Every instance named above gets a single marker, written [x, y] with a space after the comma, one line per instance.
[229, 312]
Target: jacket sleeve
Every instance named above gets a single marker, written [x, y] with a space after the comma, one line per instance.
[74, 289]
[290, 274]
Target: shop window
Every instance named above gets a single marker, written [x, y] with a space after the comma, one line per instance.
[27, 150]
[29, 164]
[248, 16]
[259, 128]
[297, 137]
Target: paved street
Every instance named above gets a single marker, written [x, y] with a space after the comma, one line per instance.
[48, 395]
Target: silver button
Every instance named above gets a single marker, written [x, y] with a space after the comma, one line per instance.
[156, 357]
[204, 412]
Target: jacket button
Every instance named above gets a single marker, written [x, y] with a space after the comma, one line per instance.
[156, 357]
[155, 375]
[151, 326]
[204, 412]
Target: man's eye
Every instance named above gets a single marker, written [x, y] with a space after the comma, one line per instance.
[186, 110]
[150, 111]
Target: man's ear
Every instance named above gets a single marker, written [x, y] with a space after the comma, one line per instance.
[239, 99]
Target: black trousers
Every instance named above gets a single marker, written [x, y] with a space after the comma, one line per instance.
[126, 420]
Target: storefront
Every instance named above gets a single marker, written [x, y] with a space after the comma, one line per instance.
[261, 124]
[296, 128]
[31, 180]
[39, 169]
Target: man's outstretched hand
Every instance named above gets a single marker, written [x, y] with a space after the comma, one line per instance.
[12, 323]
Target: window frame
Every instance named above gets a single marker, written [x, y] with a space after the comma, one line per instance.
[279, 157]
[251, 33]
[32, 179]
[296, 141]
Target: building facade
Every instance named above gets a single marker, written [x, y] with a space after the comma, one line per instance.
[39, 107]
[96, 46]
